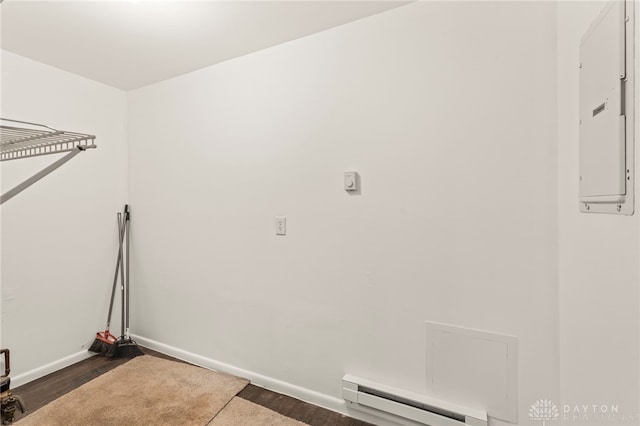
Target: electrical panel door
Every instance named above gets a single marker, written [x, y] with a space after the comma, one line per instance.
[606, 131]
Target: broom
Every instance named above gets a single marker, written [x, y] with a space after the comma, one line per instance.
[125, 346]
[104, 339]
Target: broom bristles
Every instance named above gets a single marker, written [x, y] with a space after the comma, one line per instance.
[124, 348]
[103, 342]
[99, 347]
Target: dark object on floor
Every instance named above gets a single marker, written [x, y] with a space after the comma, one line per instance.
[9, 401]
[125, 346]
[104, 340]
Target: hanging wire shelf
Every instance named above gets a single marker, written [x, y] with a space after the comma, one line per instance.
[38, 139]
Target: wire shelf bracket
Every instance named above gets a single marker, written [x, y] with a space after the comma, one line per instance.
[17, 141]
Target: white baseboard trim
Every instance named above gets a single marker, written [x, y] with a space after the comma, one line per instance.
[313, 397]
[36, 373]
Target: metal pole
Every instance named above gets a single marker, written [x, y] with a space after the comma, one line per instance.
[42, 173]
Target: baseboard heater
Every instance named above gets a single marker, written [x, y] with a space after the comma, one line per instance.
[365, 394]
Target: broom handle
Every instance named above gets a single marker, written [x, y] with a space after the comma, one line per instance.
[127, 217]
[122, 281]
[115, 276]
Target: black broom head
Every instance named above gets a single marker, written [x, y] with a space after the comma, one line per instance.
[124, 348]
[103, 343]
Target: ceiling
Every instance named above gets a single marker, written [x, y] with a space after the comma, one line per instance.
[129, 44]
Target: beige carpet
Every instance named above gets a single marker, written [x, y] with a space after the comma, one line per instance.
[240, 412]
[144, 391]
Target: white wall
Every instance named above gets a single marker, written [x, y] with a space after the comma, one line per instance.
[599, 258]
[448, 112]
[59, 238]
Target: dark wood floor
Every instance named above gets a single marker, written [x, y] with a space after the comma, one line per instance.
[296, 409]
[40, 392]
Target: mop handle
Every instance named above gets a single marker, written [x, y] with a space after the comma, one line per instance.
[127, 218]
[115, 276]
[122, 281]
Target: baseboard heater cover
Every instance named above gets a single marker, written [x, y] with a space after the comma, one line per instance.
[408, 405]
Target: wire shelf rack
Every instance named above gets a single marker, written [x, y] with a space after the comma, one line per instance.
[18, 142]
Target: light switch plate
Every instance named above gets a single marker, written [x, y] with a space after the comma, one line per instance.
[281, 225]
